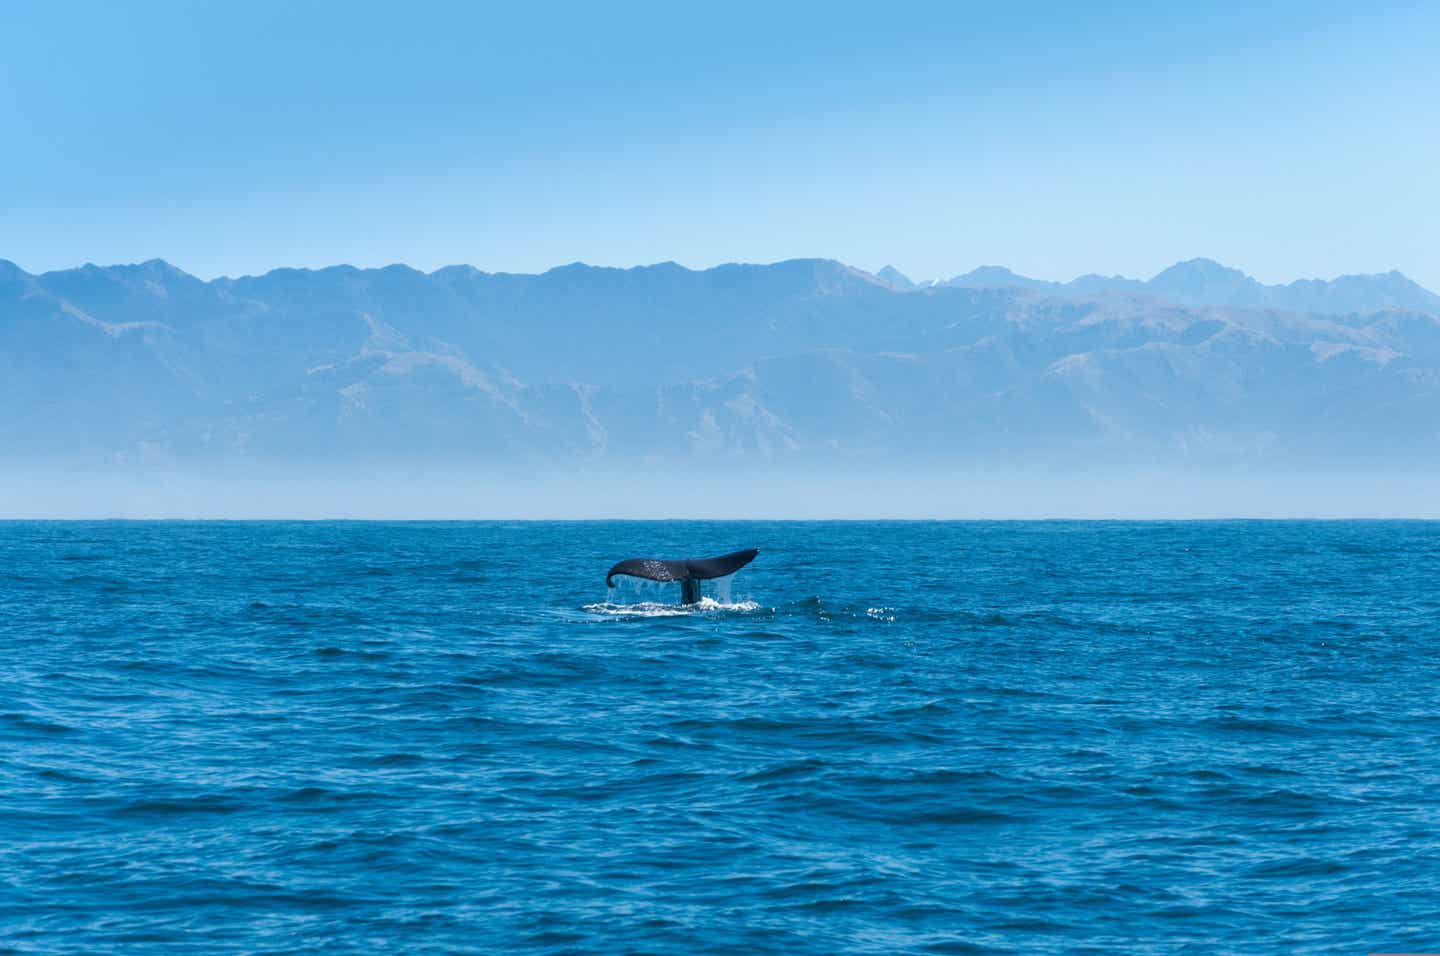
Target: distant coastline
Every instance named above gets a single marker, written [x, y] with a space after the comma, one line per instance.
[794, 366]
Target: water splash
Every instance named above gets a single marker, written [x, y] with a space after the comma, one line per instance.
[721, 587]
[705, 605]
[636, 597]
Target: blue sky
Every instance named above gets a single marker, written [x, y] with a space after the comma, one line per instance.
[1288, 139]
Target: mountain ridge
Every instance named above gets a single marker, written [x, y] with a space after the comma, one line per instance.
[804, 360]
[1188, 282]
[1206, 282]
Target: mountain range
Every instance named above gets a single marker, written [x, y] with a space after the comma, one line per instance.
[1205, 282]
[804, 361]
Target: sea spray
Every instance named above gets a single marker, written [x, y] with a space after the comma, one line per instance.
[637, 597]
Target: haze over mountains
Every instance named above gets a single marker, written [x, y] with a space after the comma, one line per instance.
[804, 362]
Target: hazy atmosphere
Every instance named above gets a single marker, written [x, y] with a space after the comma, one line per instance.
[842, 263]
[800, 388]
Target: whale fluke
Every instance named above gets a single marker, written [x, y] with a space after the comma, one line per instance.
[689, 573]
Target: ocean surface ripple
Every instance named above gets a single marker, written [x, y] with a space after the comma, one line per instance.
[888, 738]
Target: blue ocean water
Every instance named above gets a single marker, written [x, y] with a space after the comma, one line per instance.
[883, 738]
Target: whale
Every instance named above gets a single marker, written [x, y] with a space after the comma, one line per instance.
[689, 572]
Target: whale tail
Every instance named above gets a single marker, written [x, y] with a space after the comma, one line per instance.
[689, 573]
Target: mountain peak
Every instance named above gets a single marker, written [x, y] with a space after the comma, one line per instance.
[1207, 282]
[895, 277]
[458, 269]
[572, 268]
[990, 273]
[997, 277]
[1201, 269]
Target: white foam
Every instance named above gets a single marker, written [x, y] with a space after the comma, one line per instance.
[655, 609]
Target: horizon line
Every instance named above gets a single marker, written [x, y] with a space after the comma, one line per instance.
[1049, 519]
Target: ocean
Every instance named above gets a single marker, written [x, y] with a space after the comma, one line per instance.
[887, 738]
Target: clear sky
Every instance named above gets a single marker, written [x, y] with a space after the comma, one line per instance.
[1289, 139]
